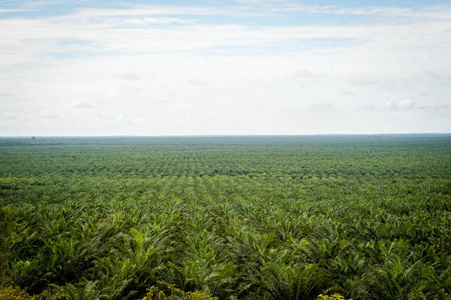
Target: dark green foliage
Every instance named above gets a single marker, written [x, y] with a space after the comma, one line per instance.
[367, 217]
[3, 234]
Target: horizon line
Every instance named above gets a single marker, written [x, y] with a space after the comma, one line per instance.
[222, 135]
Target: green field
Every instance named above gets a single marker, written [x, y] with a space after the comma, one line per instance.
[283, 217]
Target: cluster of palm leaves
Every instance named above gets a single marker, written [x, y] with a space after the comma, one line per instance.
[270, 235]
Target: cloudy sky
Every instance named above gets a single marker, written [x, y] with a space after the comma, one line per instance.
[94, 67]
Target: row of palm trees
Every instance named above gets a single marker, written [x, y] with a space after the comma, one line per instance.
[282, 240]
[299, 158]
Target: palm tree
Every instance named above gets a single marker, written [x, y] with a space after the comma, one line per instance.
[295, 282]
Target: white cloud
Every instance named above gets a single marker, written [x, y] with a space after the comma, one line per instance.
[400, 104]
[434, 12]
[151, 21]
[147, 10]
[347, 92]
[34, 4]
[261, 1]
[87, 73]
[8, 115]
[84, 104]
[406, 103]
[132, 76]
[2, 10]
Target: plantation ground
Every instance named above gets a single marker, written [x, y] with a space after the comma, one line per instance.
[289, 217]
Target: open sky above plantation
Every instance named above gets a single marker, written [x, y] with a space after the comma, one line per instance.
[94, 67]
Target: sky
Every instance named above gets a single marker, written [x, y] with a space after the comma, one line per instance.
[243, 67]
